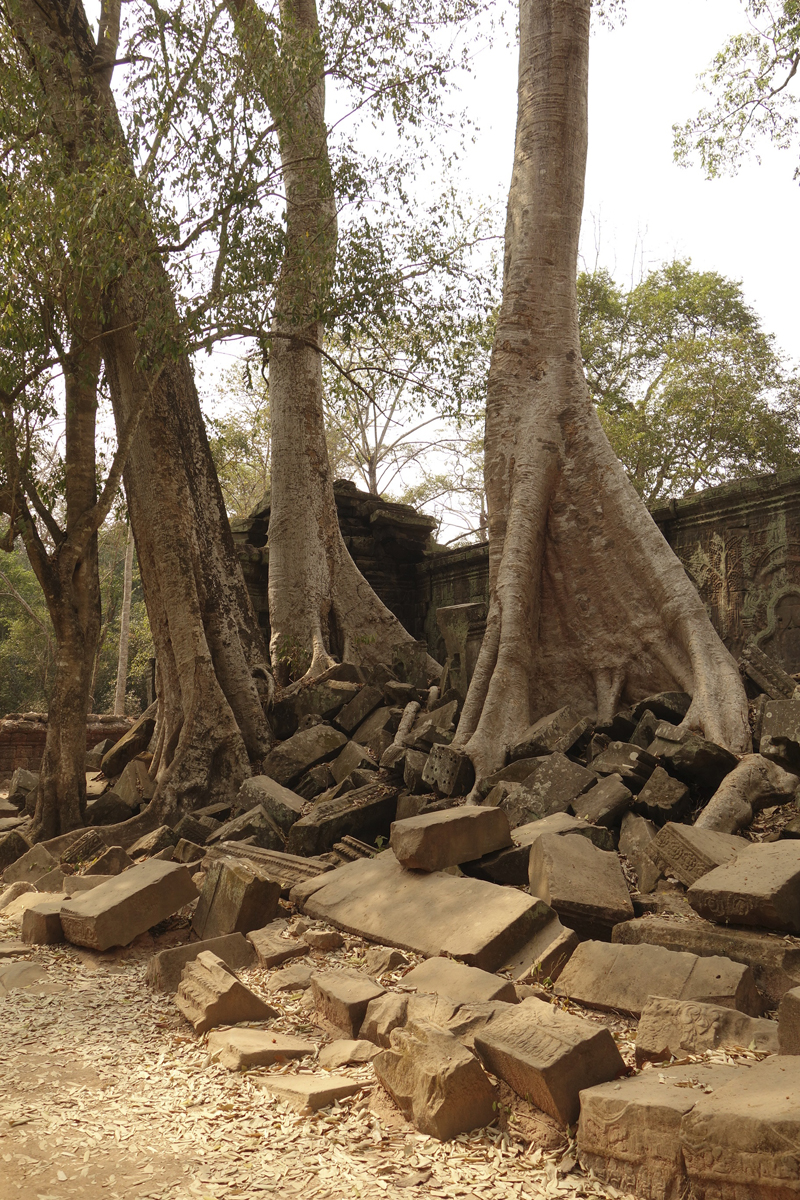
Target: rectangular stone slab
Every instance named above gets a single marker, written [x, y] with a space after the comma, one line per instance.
[466, 985]
[116, 912]
[165, 968]
[689, 853]
[307, 1093]
[674, 1028]
[239, 1049]
[760, 887]
[622, 978]
[433, 841]
[584, 885]
[479, 923]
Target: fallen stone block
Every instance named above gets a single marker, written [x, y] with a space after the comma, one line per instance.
[113, 861]
[166, 967]
[53, 881]
[271, 948]
[235, 898]
[741, 1141]
[352, 758]
[315, 782]
[479, 923]
[12, 947]
[444, 839]
[382, 960]
[32, 865]
[12, 848]
[152, 843]
[470, 1020]
[450, 770]
[209, 994]
[18, 975]
[355, 711]
[384, 1013]
[23, 782]
[256, 826]
[239, 1049]
[465, 985]
[436, 1083]
[12, 893]
[308, 1093]
[187, 852]
[413, 768]
[645, 730]
[545, 955]
[108, 809]
[789, 1022]
[346, 1052]
[688, 853]
[75, 884]
[191, 829]
[631, 763]
[292, 758]
[675, 1028]
[548, 733]
[511, 865]
[134, 786]
[289, 869]
[282, 805]
[629, 1132]
[620, 978]
[699, 763]
[365, 813]
[41, 923]
[342, 997]
[323, 939]
[16, 909]
[663, 798]
[635, 838]
[584, 885]
[116, 912]
[767, 674]
[554, 784]
[780, 733]
[774, 960]
[754, 784]
[377, 732]
[760, 887]
[606, 803]
[666, 706]
[296, 978]
[134, 742]
[547, 1056]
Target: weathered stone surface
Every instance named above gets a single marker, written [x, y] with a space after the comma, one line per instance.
[41, 923]
[754, 784]
[296, 978]
[545, 955]
[12, 947]
[667, 706]
[75, 884]
[153, 842]
[112, 861]
[631, 763]
[209, 994]
[385, 1013]
[22, 782]
[356, 711]
[365, 813]
[116, 912]
[32, 865]
[273, 949]
[342, 998]
[317, 780]
[774, 960]
[377, 732]
[166, 967]
[479, 923]
[547, 1056]
[256, 824]
[701, 764]
[186, 852]
[662, 798]
[605, 804]
[288, 869]
[16, 908]
[444, 839]
[767, 674]
[780, 733]
[635, 839]
[382, 960]
[465, 985]
[742, 1140]
[134, 786]
[18, 975]
[108, 809]
[629, 1132]
[351, 758]
[292, 758]
[53, 881]
[130, 744]
[621, 978]
[675, 1028]
[450, 770]
[584, 885]
[511, 865]
[413, 769]
[789, 1022]
[283, 806]
[308, 1093]
[239, 1049]
[689, 853]
[760, 887]
[13, 892]
[554, 784]
[346, 1051]
[235, 898]
[436, 1083]
[323, 939]
[546, 734]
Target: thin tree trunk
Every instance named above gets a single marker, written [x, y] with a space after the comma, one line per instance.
[588, 604]
[124, 629]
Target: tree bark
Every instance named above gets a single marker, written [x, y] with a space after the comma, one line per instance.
[321, 606]
[588, 604]
[124, 629]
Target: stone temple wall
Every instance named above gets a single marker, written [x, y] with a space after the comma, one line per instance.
[739, 543]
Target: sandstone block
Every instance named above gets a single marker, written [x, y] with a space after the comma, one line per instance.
[271, 948]
[606, 803]
[351, 758]
[235, 898]
[292, 758]
[323, 939]
[257, 826]
[760, 887]
[550, 733]
[108, 809]
[436, 1083]
[545, 955]
[635, 838]
[342, 998]
[699, 763]
[12, 848]
[547, 1056]
[356, 711]
[166, 967]
[437, 840]
[75, 884]
[688, 853]
[116, 912]
[584, 885]
[384, 1013]
[296, 978]
[209, 994]
[622, 978]
[12, 893]
[662, 798]
[136, 740]
[239, 1049]
[152, 843]
[32, 865]
[675, 1028]
[365, 813]
[377, 731]
[41, 923]
[112, 861]
[285, 807]
[187, 852]
[134, 786]
[631, 763]
[789, 1022]
[780, 733]
[344, 1052]
[465, 985]
[191, 829]
[450, 770]
[308, 1093]
[13, 947]
[382, 959]
[554, 784]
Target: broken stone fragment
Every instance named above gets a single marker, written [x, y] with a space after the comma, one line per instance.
[554, 784]
[166, 967]
[376, 733]
[282, 805]
[271, 948]
[445, 839]
[30, 866]
[292, 758]
[631, 763]
[780, 733]
[365, 813]
[41, 923]
[754, 784]
[413, 768]
[308, 1093]
[239, 1049]
[210, 994]
[666, 706]
[323, 939]
[112, 861]
[383, 959]
[134, 786]
[675, 1028]
[606, 804]
[342, 997]
[384, 1013]
[351, 759]
[688, 853]
[12, 893]
[663, 798]
[134, 742]
[449, 770]
[192, 829]
[701, 764]
[511, 865]
[636, 837]
[235, 898]
[256, 824]
[759, 887]
[464, 985]
[767, 674]
[584, 885]
[187, 852]
[296, 978]
[547, 1056]
[116, 912]
[789, 1022]
[544, 736]
[355, 711]
[621, 978]
[436, 1083]
[545, 955]
[346, 1052]
[159, 839]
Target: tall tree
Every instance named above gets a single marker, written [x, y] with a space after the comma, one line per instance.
[588, 604]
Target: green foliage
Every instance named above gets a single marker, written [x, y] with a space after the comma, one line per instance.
[689, 388]
[754, 82]
[240, 437]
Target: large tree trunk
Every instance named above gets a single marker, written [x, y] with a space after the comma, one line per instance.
[211, 723]
[588, 604]
[321, 606]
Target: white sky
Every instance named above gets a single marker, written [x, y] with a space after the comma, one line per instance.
[643, 79]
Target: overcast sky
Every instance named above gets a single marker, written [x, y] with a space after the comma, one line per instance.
[643, 79]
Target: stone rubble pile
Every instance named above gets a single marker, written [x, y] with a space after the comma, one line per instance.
[627, 869]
